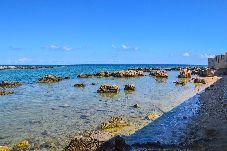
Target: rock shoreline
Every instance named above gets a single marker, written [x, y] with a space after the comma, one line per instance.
[116, 141]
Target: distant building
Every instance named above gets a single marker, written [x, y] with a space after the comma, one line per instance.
[218, 62]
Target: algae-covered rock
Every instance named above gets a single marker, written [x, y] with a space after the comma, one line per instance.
[114, 122]
[108, 89]
[23, 145]
[5, 93]
[153, 116]
[6, 84]
[4, 148]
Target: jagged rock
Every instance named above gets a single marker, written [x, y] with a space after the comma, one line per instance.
[108, 89]
[152, 116]
[23, 145]
[130, 87]
[114, 122]
[185, 73]
[51, 79]
[199, 80]
[5, 93]
[79, 85]
[5, 84]
[161, 74]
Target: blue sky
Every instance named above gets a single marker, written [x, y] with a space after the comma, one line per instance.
[112, 31]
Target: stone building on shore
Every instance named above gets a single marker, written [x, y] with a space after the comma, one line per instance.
[219, 63]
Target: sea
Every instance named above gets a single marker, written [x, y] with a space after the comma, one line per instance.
[49, 115]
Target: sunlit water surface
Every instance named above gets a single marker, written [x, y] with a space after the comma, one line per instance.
[53, 113]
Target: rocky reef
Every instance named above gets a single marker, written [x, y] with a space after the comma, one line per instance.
[52, 79]
[130, 87]
[108, 89]
[5, 84]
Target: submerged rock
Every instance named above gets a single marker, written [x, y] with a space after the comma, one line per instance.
[6, 84]
[4, 148]
[5, 93]
[114, 122]
[80, 85]
[136, 105]
[130, 87]
[51, 79]
[108, 89]
[23, 145]
[199, 80]
[152, 116]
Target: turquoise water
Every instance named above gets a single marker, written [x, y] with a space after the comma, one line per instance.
[53, 113]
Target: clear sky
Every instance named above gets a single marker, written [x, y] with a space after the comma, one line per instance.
[112, 31]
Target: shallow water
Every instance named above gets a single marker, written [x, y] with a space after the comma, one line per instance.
[53, 113]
